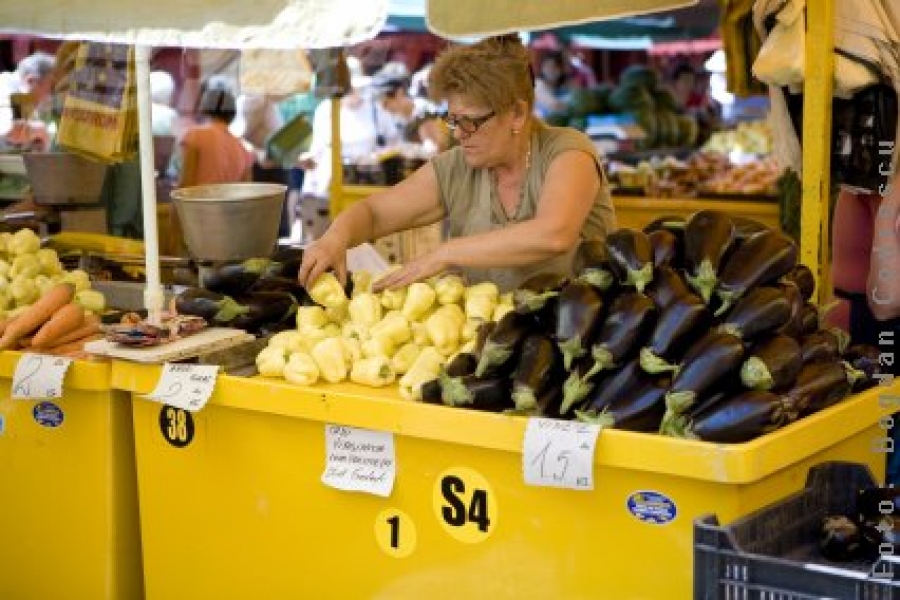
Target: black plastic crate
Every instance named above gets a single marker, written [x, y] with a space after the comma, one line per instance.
[772, 554]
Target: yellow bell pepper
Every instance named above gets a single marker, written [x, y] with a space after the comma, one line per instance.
[420, 334]
[362, 282]
[331, 358]
[353, 347]
[393, 299]
[444, 328]
[426, 367]
[480, 307]
[375, 371]
[313, 316]
[395, 326]
[485, 288]
[354, 330]
[271, 360]
[405, 357]
[327, 291]
[449, 289]
[379, 345]
[419, 298]
[310, 336]
[365, 309]
[470, 329]
[289, 341]
[467, 347]
[336, 314]
[332, 330]
[301, 369]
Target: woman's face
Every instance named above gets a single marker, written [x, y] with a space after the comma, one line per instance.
[484, 136]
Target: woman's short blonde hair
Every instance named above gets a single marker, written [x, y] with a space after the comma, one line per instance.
[495, 72]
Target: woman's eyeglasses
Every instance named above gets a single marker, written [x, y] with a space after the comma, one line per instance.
[467, 125]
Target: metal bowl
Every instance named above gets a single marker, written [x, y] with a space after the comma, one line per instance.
[230, 221]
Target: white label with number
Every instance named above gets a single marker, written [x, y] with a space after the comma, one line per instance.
[559, 453]
[39, 376]
[185, 386]
[359, 460]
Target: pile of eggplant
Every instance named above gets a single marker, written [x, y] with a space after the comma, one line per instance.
[258, 295]
[701, 328]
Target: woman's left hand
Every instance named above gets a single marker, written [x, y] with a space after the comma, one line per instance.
[425, 266]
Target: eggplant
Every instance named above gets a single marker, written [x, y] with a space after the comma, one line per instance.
[822, 346]
[276, 283]
[452, 374]
[809, 319]
[534, 293]
[628, 322]
[710, 360]
[668, 284]
[285, 263]
[762, 259]
[547, 405]
[212, 306]
[235, 279]
[502, 343]
[592, 264]
[739, 418]
[538, 369]
[641, 410]
[270, 329]
[762, 310]
[745, 227]
[818, 386]
[866, 359]
[579, 308]
[630, 257]
[792, 292]
[708, 237]
[773, 363]
[489, 394]
[263, 308]
[677, 326]
[666, 248]
[431, 391]
[802, 277]
[481, 337]
[578, 384]
[672, 223]
[621, 383]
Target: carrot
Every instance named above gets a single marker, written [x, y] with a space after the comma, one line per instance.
[64, 321]
[90, 326]
[37, 314]
[73, 346]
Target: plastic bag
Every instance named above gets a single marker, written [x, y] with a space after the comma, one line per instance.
[99, 115]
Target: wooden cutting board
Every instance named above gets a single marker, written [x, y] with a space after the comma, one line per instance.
[208, 340]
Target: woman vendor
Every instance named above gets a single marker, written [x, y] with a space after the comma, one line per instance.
[516, 195]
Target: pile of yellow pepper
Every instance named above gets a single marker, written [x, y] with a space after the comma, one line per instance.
[375, 338]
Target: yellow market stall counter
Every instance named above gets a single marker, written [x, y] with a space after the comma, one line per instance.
[241, 483]
[68, 488]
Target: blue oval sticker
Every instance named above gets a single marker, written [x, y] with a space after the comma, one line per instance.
[652, 507]
[48, 414]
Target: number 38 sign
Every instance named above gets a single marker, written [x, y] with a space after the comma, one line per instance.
[176, 425]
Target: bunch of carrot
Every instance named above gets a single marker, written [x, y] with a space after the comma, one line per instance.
[54, 324]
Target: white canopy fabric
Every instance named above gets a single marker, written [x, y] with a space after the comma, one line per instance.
[200, 24]
[456, 18]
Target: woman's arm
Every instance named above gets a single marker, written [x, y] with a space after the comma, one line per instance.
[567, 196]
[884, 271]
[414, 202]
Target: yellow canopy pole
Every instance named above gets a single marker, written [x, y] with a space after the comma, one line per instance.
[336, 187]
[817, 92]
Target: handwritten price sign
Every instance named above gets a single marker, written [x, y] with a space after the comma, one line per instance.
[39, 377]
[559, 453]
[185, 386]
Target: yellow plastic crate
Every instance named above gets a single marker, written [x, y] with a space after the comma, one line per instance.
[240, 511]
[69, 516]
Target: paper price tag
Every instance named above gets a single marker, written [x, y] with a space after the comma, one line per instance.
[39, 376]
[559, 453]
[185, 386]
[359, 460]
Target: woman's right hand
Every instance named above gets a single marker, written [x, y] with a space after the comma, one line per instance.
[328, 252]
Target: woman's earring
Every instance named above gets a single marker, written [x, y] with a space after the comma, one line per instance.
[515, 131]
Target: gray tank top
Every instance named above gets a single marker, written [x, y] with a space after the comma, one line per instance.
[471, 207]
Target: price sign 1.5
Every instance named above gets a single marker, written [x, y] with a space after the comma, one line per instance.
[559, 453]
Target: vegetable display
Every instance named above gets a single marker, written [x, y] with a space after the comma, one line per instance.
[701, 328]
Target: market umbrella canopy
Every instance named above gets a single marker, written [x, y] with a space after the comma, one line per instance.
[219, 24]
[456, 18]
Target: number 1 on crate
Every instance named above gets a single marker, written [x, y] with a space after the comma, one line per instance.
[559, 453]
